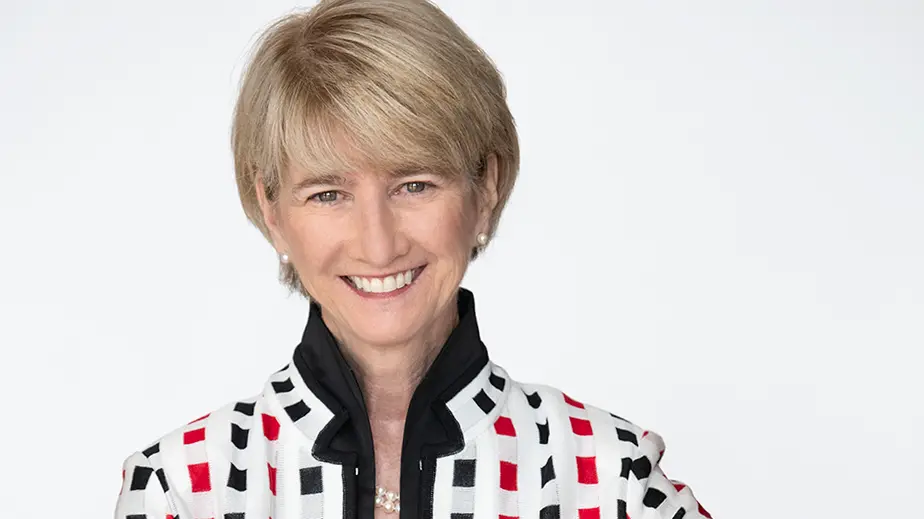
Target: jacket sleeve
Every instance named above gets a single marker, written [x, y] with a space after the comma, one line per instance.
[142, 493]
[651, 494]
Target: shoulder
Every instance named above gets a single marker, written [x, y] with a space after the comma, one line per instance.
[181, 461]
[584, 445]
[579, 419]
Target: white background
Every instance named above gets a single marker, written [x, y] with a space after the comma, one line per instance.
[717, 234]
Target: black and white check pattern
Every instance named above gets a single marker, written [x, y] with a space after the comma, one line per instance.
[311, 486]
[142, 495]
[284, 388]
[252, 459]
[137, 478]
[463, 483]
[476, 406]
[241, 427]
[549, 500]
[297, 402]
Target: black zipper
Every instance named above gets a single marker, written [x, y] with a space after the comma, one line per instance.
[427, 484]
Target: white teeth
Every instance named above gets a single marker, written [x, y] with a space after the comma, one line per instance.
[383, 285]
[389, 284]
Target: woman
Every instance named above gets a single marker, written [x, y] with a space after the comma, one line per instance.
[375, 150]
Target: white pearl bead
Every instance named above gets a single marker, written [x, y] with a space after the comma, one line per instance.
[387, 499]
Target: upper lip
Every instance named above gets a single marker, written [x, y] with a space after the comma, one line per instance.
[384, 275]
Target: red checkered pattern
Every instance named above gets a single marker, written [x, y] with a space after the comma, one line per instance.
[507, 455]
[588, 498]
[271, 470]
[271, 433]
[198, 468]
[548, 439]
[193, 436]
[270, 427]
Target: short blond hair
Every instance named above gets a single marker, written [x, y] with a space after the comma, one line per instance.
[397, 78]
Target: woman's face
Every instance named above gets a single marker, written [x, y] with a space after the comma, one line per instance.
[382, 253]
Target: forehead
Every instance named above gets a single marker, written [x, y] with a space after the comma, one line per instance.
[337, 157]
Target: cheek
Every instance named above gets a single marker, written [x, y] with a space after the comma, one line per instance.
[313, 240]
[445, 229]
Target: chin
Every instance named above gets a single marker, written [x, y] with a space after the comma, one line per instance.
[387, 330]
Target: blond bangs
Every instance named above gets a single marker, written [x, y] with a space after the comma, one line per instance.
[364, 127]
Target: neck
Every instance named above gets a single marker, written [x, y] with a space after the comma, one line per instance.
[388, 374]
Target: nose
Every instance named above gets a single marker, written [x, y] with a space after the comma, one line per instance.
[379, 238]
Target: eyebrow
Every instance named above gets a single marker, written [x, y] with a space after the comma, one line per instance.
[325, 179]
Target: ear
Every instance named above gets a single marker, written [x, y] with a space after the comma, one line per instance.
[489, 192]
[270, 212]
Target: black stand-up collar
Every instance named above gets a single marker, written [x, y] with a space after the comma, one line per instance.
[430, 430]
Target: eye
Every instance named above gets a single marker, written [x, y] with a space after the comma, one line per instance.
[417, 186]
[325, 197]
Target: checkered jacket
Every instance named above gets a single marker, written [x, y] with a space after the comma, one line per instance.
[478, 445]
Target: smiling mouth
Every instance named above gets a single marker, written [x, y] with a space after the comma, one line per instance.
[386, 284]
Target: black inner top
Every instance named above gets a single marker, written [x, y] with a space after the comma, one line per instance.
[430, 431]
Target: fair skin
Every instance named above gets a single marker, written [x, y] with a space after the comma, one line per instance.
[373, 224]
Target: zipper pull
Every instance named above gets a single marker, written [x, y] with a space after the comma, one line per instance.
[357, 470]
[420, 464]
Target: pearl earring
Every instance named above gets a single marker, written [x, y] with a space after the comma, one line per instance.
[284, 257]
[482, 239]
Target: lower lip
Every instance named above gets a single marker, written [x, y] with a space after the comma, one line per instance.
[385, 295]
